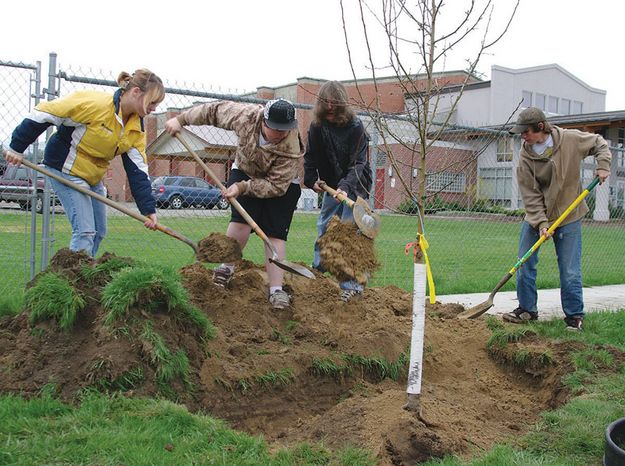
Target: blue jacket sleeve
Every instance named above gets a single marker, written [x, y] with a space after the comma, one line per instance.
[139, 186]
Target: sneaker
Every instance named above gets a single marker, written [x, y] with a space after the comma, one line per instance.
[280, 299]
[222, 276]
[520, 316]
[347, 295]
[574, 323]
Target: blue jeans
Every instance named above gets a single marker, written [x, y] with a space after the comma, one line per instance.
[568, 243]
[86, 215]
[329, 208]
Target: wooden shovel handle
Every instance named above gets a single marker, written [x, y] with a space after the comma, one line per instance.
[250, 221]
[109, 202]
[333, 192]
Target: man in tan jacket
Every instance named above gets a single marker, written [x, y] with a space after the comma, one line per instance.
[549, 180]
[263, 177]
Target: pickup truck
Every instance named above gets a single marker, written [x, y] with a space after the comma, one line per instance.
[16, 185]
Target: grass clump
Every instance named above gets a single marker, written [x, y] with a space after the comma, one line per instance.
[378, 366]
[327, 367]
[106, 268]
[154, 289]
[53, 297]
[169, 366]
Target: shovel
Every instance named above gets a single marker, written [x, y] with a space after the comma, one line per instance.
[283, 264]
[111, 203]
[480, 309]
[368, 222]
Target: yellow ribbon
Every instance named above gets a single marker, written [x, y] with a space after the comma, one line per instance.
[423, 245]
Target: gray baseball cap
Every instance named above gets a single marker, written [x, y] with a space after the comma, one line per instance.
[280, 115]
[527, 117]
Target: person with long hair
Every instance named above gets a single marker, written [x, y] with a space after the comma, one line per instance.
[337, 154]
[94, 127]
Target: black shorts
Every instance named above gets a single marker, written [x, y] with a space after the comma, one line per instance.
[273, 214]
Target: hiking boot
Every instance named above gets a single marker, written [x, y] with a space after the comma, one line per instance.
[347, 295]
[222, 276]
[574, 323]
[280, 299]
[520, 316]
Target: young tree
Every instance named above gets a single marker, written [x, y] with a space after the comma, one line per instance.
[420, 36]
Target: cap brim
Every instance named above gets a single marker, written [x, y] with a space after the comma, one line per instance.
[518, 129]
[281, 126]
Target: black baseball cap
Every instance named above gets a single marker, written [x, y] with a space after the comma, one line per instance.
[280, 115]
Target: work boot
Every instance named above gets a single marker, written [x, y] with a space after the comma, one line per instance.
[280, 299]
[222, 276]
[574, 323]
[520, 316]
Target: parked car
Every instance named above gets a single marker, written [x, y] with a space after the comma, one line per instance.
[176, 192]
[16, 185]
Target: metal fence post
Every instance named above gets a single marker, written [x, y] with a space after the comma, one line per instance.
[46, 238]
[36, 95]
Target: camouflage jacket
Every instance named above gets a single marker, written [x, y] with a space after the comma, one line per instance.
[271, 167]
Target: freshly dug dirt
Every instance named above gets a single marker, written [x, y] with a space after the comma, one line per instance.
[217, 248]
[346, 253]
[268, 372]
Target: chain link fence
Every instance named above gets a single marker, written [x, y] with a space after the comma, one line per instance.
[471, 216]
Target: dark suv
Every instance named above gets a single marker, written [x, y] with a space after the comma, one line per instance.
[16, 185]
[176, 192]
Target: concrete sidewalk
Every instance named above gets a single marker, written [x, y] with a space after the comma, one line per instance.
[596, 298]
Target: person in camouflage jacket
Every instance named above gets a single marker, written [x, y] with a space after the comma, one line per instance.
[263, 176]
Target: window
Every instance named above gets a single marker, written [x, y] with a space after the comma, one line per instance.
[565, 106]
[578, 107]
[504, 149]
[540, 101]
[187, 182]
[446, 182]
[527, 99]
[496, 184]
[552, 106]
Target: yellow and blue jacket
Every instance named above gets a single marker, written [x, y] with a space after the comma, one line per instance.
[90, 133]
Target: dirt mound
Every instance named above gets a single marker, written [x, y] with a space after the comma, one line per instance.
[323, 370]
[346, 253]
[218, 247]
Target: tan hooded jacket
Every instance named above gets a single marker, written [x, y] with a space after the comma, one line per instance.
[271, 167]
[549, 184]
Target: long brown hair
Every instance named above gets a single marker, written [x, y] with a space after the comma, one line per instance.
[333, 92]
[145, 80]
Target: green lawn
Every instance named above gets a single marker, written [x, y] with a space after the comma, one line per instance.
[467, 255]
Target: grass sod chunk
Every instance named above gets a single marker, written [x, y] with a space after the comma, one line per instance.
[149, 286]
[53, 298]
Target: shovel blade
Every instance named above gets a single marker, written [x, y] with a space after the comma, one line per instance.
[476, 311]
[368, 222]
[293, 268]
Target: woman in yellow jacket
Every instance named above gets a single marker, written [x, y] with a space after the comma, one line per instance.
[92, 128]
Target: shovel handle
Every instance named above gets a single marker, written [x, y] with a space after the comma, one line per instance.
[107, 201]
[333, 192]
[239, 208]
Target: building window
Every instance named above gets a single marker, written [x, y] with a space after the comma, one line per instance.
[496, 184]
[446, 182]
[552, 104]
[504, 149]
[578, 107]
[565, 106]
[540, 101]
[527, 99]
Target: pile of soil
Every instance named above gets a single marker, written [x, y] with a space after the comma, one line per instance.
[346, 253]
[268, 372]
[218, 247]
